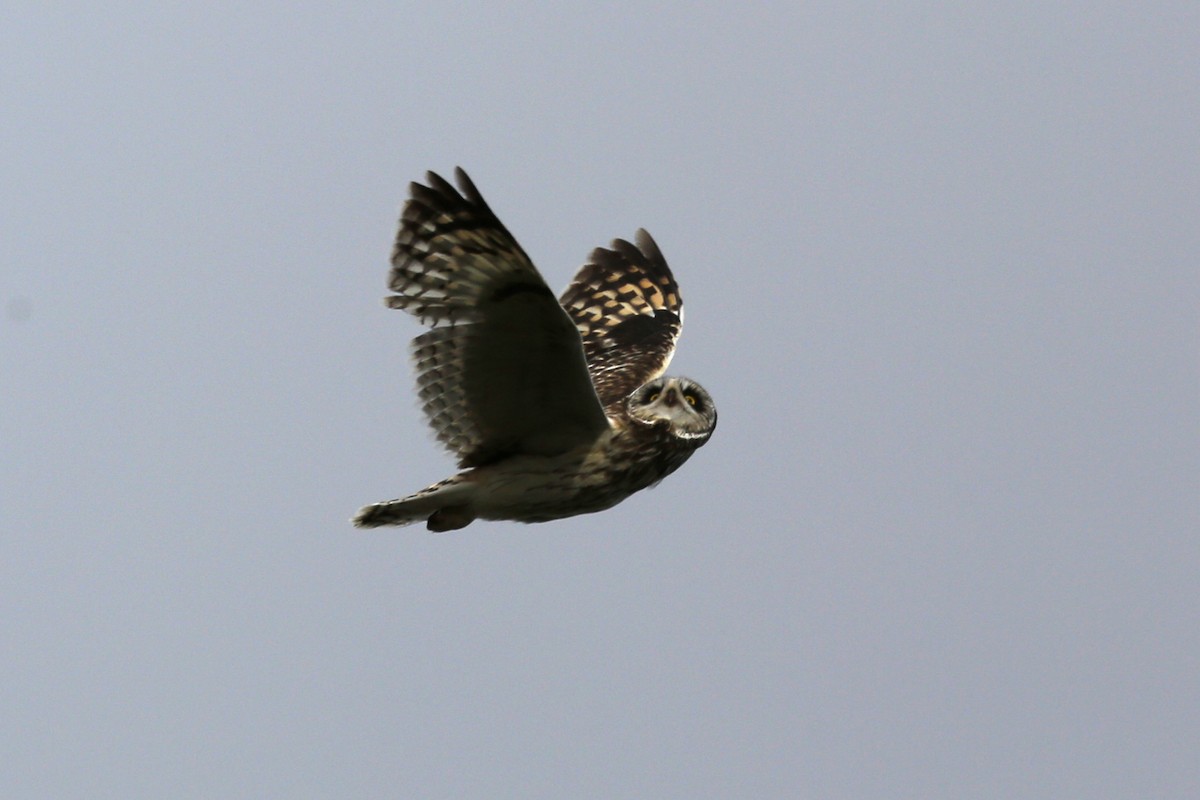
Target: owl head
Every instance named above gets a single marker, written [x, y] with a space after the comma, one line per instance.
[680, 402]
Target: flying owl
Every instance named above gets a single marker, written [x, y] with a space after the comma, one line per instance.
[552, 407]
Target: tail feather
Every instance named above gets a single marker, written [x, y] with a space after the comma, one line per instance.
[390, 512]
[445, 505]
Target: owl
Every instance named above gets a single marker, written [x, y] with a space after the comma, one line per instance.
[552, 407]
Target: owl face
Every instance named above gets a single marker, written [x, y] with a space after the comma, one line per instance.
[680, 402]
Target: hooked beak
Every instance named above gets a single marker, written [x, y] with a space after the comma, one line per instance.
[671, 397]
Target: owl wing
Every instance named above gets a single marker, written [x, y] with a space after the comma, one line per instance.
[503, 369]
[629, 312]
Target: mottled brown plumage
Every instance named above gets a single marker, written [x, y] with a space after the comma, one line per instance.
[552, 408]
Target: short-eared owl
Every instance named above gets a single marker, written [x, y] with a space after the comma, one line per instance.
[553, 407]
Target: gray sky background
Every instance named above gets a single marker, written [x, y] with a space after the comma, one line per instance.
[940, 267]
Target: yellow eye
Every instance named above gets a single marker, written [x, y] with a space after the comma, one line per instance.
[653, 398]
[691, 399]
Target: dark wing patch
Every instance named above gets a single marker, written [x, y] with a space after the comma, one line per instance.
[629, 312]
[503, 370]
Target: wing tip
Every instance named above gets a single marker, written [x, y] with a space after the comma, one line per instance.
[438, 194]
[643, 253]
[467, 187]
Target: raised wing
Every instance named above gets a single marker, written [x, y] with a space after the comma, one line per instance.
[503, 370]
[628, 309]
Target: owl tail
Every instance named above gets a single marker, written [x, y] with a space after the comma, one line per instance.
[446, 505]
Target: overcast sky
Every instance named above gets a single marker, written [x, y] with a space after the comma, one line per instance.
[940, 267]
